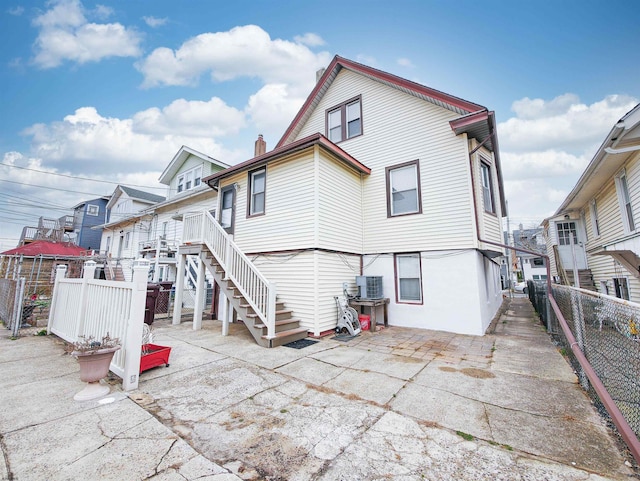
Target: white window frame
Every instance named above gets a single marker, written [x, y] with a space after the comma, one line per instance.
[127, 239]
[624, 200]
[180, 183]
[189, 179]
[93, 209]
[400, 295]
[487, 187]
[392, 210]
[595, 222]
[621, 288]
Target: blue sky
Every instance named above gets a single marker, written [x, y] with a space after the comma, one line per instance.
[111, 90]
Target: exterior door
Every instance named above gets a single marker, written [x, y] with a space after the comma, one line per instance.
[228, 208]
[569, 233]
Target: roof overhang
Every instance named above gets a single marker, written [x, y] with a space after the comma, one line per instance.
[280, 152]
[622, 143]
[449, 102]
[181, 156]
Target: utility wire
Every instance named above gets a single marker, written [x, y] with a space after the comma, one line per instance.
[80, 178]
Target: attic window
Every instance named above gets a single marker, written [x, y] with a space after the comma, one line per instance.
[93, 209]
[345, 120]
[190, 179]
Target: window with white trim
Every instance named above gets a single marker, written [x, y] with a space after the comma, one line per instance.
[625, 201]
[595, 223]
[403, 189]
[345, 120]
[257, 190]
[408, 278]
[487, 188]
[93, 209]
[189, 179]
[567, 230]
[127, 238]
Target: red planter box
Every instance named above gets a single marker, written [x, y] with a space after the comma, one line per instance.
[154, 355]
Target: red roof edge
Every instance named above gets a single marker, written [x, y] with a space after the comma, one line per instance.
[385, 76]
[300, 144]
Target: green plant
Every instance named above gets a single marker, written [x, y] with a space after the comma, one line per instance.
[465, 436]
[90, 344]
[41, 332]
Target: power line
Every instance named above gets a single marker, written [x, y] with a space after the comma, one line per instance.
[51, 188]
[80, 178]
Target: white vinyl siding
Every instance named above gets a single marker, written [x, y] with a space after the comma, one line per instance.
[190, 175]
[420, 132]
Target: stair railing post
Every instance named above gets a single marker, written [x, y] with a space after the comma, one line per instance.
[197, 308]
[271, 310]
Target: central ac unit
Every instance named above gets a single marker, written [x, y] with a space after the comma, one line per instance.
[369, 287]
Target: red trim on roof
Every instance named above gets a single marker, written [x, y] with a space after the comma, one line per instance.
[46, 248]
[460, 123]
[306, 142]
[384, 76]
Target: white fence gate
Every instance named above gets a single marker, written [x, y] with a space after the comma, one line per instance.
[94, 307]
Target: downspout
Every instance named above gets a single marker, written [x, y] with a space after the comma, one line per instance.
[616, 415]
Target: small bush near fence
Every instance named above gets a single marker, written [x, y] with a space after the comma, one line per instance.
[606, 330]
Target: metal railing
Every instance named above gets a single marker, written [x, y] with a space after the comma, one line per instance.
[599, 334]
[202, 228]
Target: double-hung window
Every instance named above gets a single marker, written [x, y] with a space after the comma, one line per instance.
[190, 179]
[408, 278]
[181, 183]
[625, 201]
[257, 190]
[403, 189]
[487, 188]
[93, 209]
[621, 287]
[345, 120]
[595, 223]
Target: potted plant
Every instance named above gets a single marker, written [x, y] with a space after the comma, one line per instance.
[94, 358]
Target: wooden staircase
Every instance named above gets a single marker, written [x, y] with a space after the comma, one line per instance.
[586, 279]
[287, 329]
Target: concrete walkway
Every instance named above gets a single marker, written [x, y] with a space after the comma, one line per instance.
[400, 403]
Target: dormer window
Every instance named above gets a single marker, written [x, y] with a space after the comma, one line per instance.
[190, 179]
[345, 120]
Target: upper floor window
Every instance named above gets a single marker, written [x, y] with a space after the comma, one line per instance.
[487, 188]
[345, 120]
[257, 190]
[93, 209]
[403, 189]
[594, 219]
[625, 201]
[190, 179]
[127, 239]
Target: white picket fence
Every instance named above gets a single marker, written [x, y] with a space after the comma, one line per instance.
[95, 307]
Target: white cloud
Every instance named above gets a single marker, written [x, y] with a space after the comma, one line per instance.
[190, 118]
[88, 142]
[66, 34]
[545, 163]
[563, 123]
[16, 11]
[405, 62]
[271, 109]
[154, 22]
[310, 39]
[246, 51]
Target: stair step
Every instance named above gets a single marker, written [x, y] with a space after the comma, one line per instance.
[280, 323]
[280, 313]
[285, 337]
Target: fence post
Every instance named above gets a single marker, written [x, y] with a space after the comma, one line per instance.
[177, 295]
[87, 275]
[133, 336]
[61, 272]
[578, 325]
[17, 307]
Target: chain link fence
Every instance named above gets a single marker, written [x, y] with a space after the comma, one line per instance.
[606, 330]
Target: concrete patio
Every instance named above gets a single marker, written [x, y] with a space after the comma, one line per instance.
[395, 404]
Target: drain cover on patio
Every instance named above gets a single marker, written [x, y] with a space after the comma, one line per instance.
[300, 343]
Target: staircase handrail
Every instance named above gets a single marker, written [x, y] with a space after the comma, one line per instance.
[260, 293]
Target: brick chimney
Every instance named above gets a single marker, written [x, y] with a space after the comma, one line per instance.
[261, 146]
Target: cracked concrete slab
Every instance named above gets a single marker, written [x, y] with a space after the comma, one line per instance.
[311, 370]
[370, 386]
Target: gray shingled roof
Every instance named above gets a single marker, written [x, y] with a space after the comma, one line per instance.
[142, 195]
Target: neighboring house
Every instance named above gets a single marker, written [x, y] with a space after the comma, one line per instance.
[87, 215]
[375, 176]
[531, 266]
[153, 228]
[596, 228]
[127, 224]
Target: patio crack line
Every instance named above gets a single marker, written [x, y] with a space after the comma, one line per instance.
[7, 464]
[156, 469]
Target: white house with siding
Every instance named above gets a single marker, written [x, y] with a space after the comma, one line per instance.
[375, 176]
[598, 224]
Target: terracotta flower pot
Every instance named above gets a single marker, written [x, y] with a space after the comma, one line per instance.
[94, 365]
